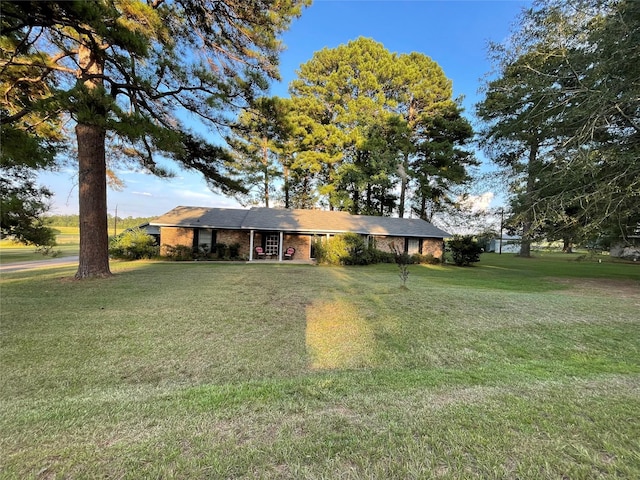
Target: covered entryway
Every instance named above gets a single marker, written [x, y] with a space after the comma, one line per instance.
[269, 242]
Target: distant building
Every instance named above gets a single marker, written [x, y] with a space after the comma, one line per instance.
[629, 248]
[152, 230]
[506, 244]
[628, 251]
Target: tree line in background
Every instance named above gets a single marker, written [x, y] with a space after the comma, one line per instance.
[364, 130]
[74, 221]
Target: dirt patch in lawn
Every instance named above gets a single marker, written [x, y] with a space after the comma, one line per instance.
[601, 286]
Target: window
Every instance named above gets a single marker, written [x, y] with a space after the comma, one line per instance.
[413, 246]
[203, 236]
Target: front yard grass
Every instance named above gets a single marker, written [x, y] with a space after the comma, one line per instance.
[514, 368]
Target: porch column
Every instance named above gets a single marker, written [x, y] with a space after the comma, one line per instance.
[281, 246]
[251, 245]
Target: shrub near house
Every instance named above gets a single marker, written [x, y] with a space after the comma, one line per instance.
[464, 250]
[133, 244]
[349, 249]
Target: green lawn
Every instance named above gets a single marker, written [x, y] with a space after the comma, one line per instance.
[515, 368]
[67, 240]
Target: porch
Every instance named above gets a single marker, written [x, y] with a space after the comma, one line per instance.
[274, 245]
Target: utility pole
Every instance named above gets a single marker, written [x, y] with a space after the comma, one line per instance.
[501, 228]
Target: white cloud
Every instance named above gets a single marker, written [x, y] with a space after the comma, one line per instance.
[478, 203]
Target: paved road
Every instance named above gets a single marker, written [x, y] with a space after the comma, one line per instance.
[33, 264]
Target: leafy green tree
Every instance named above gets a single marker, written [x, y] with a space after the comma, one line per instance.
[520, 112]
[362, 115]
[128, 70]
[377, 160]
[337, 96]
[259, 142]
[563, 114]
[29, 140]
[442, 164]
[22, 208]
[22, 202]
[435, 158]
[603, 174]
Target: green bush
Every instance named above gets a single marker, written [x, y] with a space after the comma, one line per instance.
[331, 250]
[178, 253]
[349, 249]
[427, 259]
[201, 252]
[464, 250]
[222, 251]
[234, 250]
[357, 253]
[133, 244]
[380, 256]
[344, 249]
[219, 250]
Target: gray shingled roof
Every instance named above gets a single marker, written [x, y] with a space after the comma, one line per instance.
[300, 221]
[202, 217]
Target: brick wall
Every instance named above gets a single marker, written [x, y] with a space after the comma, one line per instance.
[184, 236]
[386, 244]
[430, 246]
[230, 237]
[175, 236]
[302, 244]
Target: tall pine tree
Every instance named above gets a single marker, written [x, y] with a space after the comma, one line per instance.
[127, 69]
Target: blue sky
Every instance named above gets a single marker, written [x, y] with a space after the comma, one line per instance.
[454, 33]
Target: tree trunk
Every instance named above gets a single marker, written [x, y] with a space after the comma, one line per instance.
[423, 208]
[265, 164]
[285, 186]
[92, 170]
[94, 238]
[404, 181]
[527, 224]
[567, 246]
[355, 199]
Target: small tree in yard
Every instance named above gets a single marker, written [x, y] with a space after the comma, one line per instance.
[464, 250]
[403, 260]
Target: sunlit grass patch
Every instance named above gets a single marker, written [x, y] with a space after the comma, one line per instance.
[338, 336]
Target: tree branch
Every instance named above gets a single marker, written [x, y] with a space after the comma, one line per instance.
[58, 68]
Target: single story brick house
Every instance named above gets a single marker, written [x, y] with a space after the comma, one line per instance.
[275, 230]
